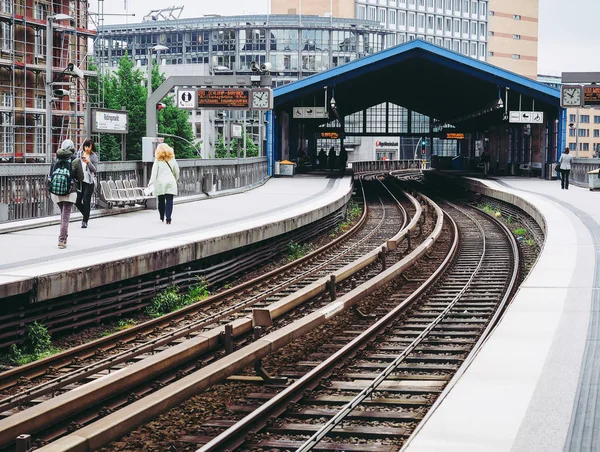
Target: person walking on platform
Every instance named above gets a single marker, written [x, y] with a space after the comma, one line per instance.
[165, 174]
[565, 169]
[485, 159]
[331, 159]
[89, 162]
[343, 159]
[322, 159]
[65, 181]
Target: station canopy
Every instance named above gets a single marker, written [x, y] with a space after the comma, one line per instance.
[425, 78]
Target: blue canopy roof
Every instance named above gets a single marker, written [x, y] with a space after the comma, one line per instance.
[423, 77]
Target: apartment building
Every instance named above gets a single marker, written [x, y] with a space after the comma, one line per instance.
[513, 35]
[23, 80]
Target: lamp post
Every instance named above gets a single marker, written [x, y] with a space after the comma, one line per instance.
[158, 48]
[49, 85]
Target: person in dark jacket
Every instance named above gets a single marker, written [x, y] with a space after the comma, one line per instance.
[485, 159]
[322, 159]
[331, 158]
[89, 164]
[65, 202]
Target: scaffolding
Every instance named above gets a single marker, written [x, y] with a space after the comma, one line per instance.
[23, 80]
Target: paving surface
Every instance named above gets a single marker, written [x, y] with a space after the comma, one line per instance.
[197, 231]
[534, 384]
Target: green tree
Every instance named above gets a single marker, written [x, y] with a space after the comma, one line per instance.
[251, 147]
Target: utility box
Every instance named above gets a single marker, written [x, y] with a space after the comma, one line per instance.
[149, 145]
[594, 179]
[286, 168]
[277, 169]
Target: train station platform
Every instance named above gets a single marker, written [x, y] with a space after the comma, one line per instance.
[533, 386]
[117, 247]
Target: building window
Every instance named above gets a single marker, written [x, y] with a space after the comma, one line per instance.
[516, 36]
[439, 24]
[586, 146]
[481, 50]
[491, 33]
[429, 3]
[6, 37]
[596, 133]
[401, 19]
[491, 53]
[392, 17]
[430, 23]
[584, 133]
[572, 146]
[474, 7]
[491, 13]
[465, 7]
[516, 17]
[40, 104]
[6, 6]
[411, 20]
[571, 132]
[465, 48]
[516, 56]
[362, 12]
[482, 8]
[421, 21]
[382, 16]
[584, 119]
[596, 119]
[39, 11]
[372, 13]
[572, 118]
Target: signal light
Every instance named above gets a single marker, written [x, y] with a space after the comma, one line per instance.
[160, 106]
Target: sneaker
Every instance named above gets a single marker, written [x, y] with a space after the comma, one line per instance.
[84, 225]
[62, 245]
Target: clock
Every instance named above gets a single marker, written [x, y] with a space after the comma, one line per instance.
[261, 99]
[572, 96]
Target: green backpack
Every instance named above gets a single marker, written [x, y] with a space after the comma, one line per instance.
[60, 181]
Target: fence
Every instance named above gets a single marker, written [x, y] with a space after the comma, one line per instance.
[24, 194]
[580, 168]
[385, 165]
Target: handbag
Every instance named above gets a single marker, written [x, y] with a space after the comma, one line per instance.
[149, 190]
[557, 168]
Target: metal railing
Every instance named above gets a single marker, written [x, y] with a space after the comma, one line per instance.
[580, 168]
[386, 165]
[24, 194]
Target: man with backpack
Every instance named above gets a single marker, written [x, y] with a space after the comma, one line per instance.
[63, 183]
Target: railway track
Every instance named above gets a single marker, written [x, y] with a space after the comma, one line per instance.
[397, 368]
[202, 335]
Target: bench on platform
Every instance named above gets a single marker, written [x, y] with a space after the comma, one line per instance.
[121, 193]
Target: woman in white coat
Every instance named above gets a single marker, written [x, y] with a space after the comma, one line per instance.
[165, 174]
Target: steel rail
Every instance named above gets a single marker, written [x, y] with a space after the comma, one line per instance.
[69, 403]
[235, 435]
[39, 368]
[374, 384]
[120, 422]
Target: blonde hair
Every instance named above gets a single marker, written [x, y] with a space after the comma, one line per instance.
[164, 152]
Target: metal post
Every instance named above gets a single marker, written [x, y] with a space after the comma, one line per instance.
[149, 65]
[49, 92]
[123, 142]
[244, 134]
[577, 133]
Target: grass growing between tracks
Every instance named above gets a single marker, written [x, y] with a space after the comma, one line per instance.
[521, 233]
[37, 345]
[353, 211]
[171, 299]
[297, 250]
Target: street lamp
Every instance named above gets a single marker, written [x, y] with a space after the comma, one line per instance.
[49, 91]
[158, 48]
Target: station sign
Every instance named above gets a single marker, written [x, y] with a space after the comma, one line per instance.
[224, 98]
[310, 113]
[110, 121]
[386, 144]
[591, 95]
[526, 117]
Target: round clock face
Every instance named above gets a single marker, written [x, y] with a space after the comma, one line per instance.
[572, 96]
[260, 99]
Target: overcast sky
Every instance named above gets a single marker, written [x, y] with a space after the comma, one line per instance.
[569, 30]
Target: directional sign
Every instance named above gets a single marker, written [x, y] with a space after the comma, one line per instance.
[186, 98]
[310, 112]
[526, 117]
[591, 94]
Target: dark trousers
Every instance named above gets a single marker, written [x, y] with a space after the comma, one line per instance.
[165, 206]
[84, 200]
[564, 178]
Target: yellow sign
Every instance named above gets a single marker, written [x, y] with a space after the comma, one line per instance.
[223, 98]
[331, 135]
[455, 136]
[591, 94]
